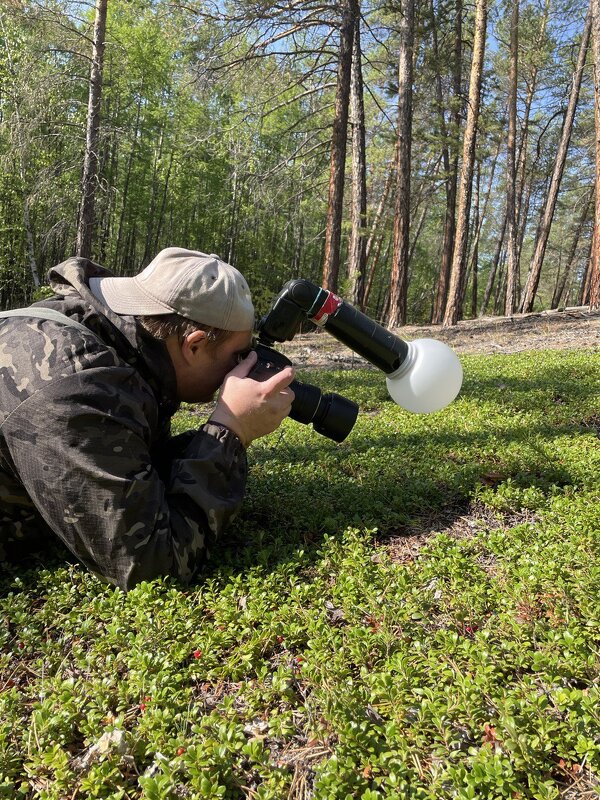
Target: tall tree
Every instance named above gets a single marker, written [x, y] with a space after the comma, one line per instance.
[512, 267]
[401, 248]
[475, 252]
[85, 228]
[337, 167]
[375, 240]
[493, 269]
[535, 267]
[594, 279]
[450, 152]
[563, 278]
[358, 215]
[535, 54]
[453, 304]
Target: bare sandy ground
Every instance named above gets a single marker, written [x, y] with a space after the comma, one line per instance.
[568, 329]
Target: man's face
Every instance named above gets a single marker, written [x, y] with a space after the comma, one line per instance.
[212, 363]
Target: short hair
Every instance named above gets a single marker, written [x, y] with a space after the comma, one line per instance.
[161, 326]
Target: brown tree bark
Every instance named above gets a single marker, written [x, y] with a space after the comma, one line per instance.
[333, 225]
[450, 164]
[85, 226]
[453, 305]
[594, 279]
[358, 239]
[401, 247]
[535, 268]
[512, 266]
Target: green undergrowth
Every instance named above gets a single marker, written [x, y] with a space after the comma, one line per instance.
[321, 654]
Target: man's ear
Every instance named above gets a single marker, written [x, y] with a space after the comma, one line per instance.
[193, 344]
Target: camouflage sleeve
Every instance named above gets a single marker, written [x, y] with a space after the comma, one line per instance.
[81, 448]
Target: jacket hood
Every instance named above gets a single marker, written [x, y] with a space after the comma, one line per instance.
[70, 283]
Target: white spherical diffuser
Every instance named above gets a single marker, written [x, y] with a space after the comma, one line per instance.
[428, 379]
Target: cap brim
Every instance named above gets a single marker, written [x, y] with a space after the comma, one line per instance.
[124, 296]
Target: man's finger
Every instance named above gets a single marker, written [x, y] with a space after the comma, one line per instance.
[279, 381]
[242, 369]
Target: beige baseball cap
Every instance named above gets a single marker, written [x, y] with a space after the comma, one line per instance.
[195, 285]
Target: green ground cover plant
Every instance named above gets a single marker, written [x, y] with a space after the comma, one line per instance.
[411, 614]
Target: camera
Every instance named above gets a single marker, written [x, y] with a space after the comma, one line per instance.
[331, 414]
[421, 376]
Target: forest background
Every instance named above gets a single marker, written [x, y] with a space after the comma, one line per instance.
[430, 160]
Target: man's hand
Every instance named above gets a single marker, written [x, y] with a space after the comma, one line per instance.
[253, 408]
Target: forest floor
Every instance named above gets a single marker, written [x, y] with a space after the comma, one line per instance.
[569, 329]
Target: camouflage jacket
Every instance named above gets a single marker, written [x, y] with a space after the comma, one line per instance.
[85, 445]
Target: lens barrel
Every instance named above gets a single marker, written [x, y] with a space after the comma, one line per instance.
[331, 414]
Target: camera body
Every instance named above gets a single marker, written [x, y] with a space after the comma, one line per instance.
[331, 414]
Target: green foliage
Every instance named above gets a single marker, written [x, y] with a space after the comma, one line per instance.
[215, 133]
[411, 614]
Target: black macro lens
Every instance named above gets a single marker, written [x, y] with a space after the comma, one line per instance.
[335, 417]
[331, 414]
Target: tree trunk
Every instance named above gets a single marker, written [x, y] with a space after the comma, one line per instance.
[85, 227]
[584, 290]
[373, 259]
[563, 279]
[151, 222]
[535, 268]
[400, 252]
[453, 305]
[594, 281]
[473, 260]
[128, 172]
[163, 204]
[500, 287]
[522, 209]
[333, 226]
[493, 269]
[471, 271]
[452, 168]
[357, 245]
[512, 267]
